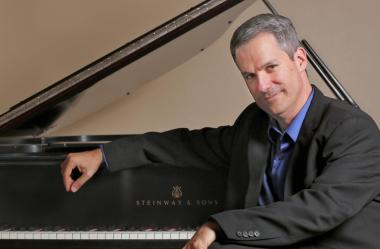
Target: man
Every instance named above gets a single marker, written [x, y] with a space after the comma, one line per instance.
[304, 169]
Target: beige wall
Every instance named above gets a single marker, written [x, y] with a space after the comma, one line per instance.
[207, 90]
[346, 35]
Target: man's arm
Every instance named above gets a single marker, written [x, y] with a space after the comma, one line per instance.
[204, 148]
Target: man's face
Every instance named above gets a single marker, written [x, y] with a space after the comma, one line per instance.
[274, 80]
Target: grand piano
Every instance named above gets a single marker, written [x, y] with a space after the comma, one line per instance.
[148, 207]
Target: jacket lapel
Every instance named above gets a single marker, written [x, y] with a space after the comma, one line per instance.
[297, 165]
[258, 152]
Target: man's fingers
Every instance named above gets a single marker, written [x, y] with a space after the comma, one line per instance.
[194, 244]
[204, 237]
[66, 168]
[79, 182]
[86, 162]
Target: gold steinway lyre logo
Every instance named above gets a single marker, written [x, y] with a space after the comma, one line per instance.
[177, 192]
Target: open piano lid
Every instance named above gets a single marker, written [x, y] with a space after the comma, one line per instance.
[121, 71]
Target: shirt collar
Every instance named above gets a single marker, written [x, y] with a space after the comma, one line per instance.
[294, 128]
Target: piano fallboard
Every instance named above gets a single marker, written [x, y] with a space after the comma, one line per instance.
[159, 203]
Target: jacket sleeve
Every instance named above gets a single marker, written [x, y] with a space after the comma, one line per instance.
[349, 179]
[204, 148]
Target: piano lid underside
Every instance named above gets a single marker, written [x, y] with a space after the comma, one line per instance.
[106, 87]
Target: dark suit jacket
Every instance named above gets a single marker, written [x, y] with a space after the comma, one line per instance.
[332, 184]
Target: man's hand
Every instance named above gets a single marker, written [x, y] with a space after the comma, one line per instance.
[87, 163]
[203, 238]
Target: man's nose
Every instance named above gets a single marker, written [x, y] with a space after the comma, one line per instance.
[263, 82]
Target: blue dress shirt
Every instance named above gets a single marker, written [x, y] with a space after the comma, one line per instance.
[282, 144]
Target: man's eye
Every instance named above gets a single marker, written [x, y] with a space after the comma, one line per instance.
[271, 67]
[249, 76]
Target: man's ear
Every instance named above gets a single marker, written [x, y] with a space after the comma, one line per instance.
[300, 57]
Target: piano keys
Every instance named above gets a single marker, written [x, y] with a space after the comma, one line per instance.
[92, 234]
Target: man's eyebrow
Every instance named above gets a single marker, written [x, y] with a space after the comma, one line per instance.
[271, 62]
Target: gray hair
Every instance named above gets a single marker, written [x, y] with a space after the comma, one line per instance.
[279, 26]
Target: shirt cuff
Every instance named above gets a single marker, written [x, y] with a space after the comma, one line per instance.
[105, 161]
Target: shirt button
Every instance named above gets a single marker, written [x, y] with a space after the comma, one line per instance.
[256, 233]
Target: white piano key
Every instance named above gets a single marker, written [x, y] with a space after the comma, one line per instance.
[125, 235]
[166, 235]
[44, 235]
[76, 236]
[133, 235]
[28, 235]
[109, 236]
[4, 235]
[150, 235]
[20, 235]
[68, 236]
[37, 235]
[52, 236]
[190, 234]
[174, 235]
[182, 235]
[158, 235]
[101, 235]
[93, 236]
[12, 235]
[117, 236]
[61, 235]
[84, 236]
[141, 236]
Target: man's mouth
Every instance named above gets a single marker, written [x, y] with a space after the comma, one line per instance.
[272, 93]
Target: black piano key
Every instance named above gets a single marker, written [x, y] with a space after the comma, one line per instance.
[5, 227]
[47, 228]
[21, 228]
[56, 228]
[75, 228]
[111, 228]
[29, 228]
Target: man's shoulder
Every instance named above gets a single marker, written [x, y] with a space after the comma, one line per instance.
[249, 117]
[253, 111]
[335, 113]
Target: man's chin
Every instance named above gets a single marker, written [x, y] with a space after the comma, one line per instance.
[273, 110]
